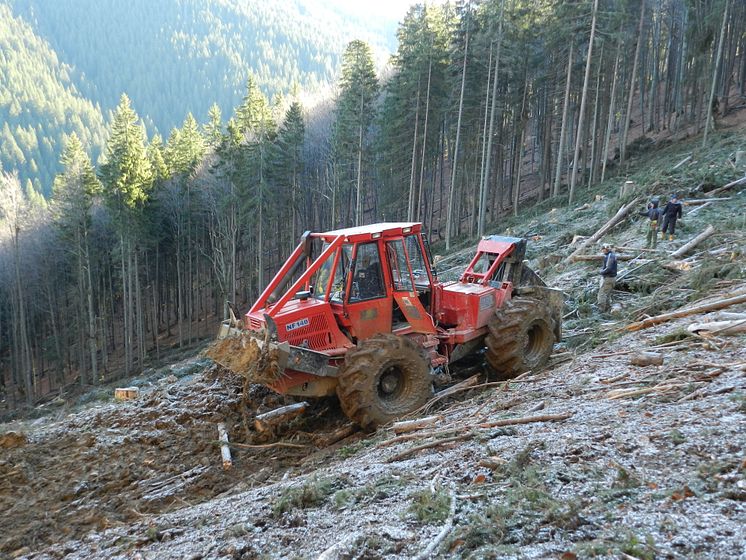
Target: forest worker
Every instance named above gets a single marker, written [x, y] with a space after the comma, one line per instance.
[653, 213]
[671, 212]
[608, 278]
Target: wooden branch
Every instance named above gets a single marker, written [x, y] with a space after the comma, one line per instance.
[435, 543]
[682, 162]
[325, 440]
[419, 435]
[697, 209]
[719, 327]
[436, 443]
[525, 420]
[413, 425]
[268, 445]
[647, 359]
[698, 201]
[464, 385]
[736, 183]
[677, 266]
[225, 451]
[265, 421]
[684, 249]
[666, 317]
[618, 217]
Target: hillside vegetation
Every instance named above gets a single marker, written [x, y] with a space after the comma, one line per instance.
[67, 63]
[41, 104]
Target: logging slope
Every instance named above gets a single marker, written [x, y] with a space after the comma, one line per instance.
[592, 457]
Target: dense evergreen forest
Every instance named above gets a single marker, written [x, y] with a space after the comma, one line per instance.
[66, 63]
[487, 107]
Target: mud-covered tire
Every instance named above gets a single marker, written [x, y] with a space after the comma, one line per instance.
[521, 337]
[383, 378]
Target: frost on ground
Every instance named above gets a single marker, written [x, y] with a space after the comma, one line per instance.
[650, 464]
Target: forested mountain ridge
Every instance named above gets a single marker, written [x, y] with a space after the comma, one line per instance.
[173, 58]
[40, 105]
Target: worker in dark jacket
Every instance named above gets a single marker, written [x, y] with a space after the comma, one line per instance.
[671, 212]
[608, 278]
[653, 213]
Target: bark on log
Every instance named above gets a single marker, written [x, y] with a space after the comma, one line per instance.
[666, 317]
[677, 266]
[267, 420]
[412, 425]
[225, 451]
[647, 359]
[698, 201]
[684, 249]
[719, 327]
[618, 217]
[736, 183]
[325, 440]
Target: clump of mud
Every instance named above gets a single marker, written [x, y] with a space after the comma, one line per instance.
[241, 354]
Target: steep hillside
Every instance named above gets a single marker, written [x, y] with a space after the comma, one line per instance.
[181, 56]
[592, 457]
[40, 104]
[66, 63]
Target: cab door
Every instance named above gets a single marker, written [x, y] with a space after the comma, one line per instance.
[408, 288]
[369, 303]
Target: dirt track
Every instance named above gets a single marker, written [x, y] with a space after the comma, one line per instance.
[118, 463]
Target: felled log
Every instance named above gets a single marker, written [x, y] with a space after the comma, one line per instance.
[666, 317]
[736, 183]
[684, 249]
[126, 393]
[412, 425]
[697, 209]
[677, 266]
[267, 420]
[603, 230]
[682, 162]
[698, 201]
[225, 451]
[325, 440]
[647, 359]
[737, 326]
[599, 258]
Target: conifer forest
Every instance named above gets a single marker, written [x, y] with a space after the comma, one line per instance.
[126, 227]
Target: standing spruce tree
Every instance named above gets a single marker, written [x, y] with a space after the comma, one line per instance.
[288, 165]
[73, 197]
[127, 177]
[354, 116]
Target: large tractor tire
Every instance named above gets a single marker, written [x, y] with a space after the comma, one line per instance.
[383, 378]
[521, 337]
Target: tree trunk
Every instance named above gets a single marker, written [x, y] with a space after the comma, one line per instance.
[630, 97]
[579, 139]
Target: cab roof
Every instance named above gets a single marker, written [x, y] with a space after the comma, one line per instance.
[366, 232]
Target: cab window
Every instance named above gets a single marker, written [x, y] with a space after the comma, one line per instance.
[417, 261]
[398, 263]
[321, 282]
[367, 280]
